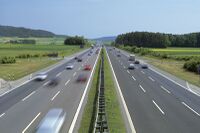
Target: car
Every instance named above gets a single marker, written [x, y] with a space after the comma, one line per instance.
[144, 66]
[69, 66]
[89, 54]
[52, 121]
[87, 67]
[131, 66]
[137, 62]
[79, 59]
[91, 51]
[81, 78]
[54, 81]
[75, 57]
[118, 55]
[41, 76]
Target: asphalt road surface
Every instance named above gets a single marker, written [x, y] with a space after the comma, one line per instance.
[155, 104]
[22, 109]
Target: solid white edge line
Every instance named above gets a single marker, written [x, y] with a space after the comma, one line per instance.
[133, 78]
[67, 82]
[31, 122]
[55, 96]
[151, 78]
[165, 89]
[142, 88]
[128, 71]
[82, 99]
[190, 108]
[28, 96]
[123, 101]
[58, 74]
[2, 115]
[158, 107]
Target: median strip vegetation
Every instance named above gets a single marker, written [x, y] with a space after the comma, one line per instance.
[113, 112]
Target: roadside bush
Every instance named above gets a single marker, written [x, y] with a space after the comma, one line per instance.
[8, 60]
[192, 65]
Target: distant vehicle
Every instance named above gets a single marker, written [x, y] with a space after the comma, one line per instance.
[41, 76]
[110, 49]
[118, 51]
[79, 59]
[131, 66]
[69, 66]
[75, 57]
[82, 78]
[54, 81]
[118, 55]
[87, 67]
[91, 51]
[144, 66]
[137, 62]
[131, 57]
[52, 122]
[89, 54]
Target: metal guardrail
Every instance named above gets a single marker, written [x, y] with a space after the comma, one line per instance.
[101, 125]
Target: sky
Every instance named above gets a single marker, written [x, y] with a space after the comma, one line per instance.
[97, 18]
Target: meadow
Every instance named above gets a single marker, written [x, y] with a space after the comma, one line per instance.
[23, 67]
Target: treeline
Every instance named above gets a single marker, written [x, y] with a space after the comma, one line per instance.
[9, 31]
[77, 40]
[158, 40]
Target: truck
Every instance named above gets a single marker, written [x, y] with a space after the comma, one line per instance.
[131, 57]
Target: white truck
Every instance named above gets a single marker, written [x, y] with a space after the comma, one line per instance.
[131, 57]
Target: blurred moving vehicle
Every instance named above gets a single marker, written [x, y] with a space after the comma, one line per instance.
[89, 54]
[91, 51]
[131, 66]
[137, 62]
[79, 59]
[69, 66]
[75, 57]
[82, 78]
[52, 122]
[144, 66]
[131, 57]
[118, 55]
[41, 76]
[54, 81]
[87, 67]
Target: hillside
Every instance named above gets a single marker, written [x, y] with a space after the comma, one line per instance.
[110, 38]
[9, 31]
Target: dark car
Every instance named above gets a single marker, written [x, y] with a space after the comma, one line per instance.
[144, 66]
[137, 62]
[75, 57]
[82, 78]
[54, 81]
[118, 55]
[79, 59]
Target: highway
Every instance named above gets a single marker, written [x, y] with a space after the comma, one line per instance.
[155, 103]
[22, 109]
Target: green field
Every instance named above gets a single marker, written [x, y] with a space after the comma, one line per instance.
[178, 51]
[24, 67]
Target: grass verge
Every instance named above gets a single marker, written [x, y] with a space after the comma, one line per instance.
[88, 119]
[114, 114]
[175, 68]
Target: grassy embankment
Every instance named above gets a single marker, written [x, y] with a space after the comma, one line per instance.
[175, 67]
[114, 116]
[24, 67]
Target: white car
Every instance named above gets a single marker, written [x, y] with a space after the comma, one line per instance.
[41, 76]
[131, 66]
[52, 122]
[69, 66]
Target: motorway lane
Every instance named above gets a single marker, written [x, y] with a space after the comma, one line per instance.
[11, 98]
[151, 107]
[64, 95]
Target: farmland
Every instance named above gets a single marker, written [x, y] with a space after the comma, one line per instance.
[179, 51]
[26, 66]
